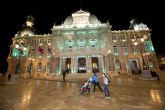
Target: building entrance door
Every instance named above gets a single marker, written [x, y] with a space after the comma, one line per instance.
[81, 65]
[68, 64]
[133, 63]
[95, 64]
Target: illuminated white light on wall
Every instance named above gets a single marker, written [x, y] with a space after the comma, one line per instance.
[28, 23]
[24, 48]
[16, 46]
[109, 51]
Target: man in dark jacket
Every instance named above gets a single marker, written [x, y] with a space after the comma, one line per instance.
[64, 73]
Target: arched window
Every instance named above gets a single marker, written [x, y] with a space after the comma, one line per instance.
[117, 64]
[48, 67]
[39, 67]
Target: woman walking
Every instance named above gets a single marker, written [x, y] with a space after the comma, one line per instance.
[106, 82]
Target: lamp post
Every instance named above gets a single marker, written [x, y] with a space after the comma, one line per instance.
[30, 67]
[147, 60]
[139, 45]
[20, 49]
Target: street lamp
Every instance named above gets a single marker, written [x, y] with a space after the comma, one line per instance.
[30, 67]
[21, 49]
[139, 44]
[147, 60]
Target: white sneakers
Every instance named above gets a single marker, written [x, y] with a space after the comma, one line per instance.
[108, 98]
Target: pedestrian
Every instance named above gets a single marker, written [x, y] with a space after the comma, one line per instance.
[64, 74]
[154, 74]
[30, 69]
[106, 82]
[9, 76]
[95, 81]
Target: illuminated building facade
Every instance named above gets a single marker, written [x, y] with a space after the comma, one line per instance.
[82, 44]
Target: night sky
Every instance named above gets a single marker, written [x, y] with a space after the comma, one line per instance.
[118, 13]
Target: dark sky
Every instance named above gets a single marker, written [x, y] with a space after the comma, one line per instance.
[118, 13]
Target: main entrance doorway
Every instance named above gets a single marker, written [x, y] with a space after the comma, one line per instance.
[81, 65]
[68, 63]
[95, 64]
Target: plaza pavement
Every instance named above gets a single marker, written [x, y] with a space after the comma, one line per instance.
[128, 93]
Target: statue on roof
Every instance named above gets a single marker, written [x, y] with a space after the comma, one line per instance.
[135, 25]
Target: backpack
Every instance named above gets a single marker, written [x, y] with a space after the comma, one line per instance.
[108, 80]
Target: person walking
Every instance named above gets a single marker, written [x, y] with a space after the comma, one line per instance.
[106, 82]
[64, 75]
[96, 82]
[30, 69]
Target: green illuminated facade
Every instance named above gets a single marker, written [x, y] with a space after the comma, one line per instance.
[82, 44]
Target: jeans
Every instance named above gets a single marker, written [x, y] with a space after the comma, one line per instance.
[106, 91]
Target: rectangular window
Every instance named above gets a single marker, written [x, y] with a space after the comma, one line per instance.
[125, 50]
[31, 54]
[132, 36]
[93, 46]
[49, 40]
[70, 47]
[123, 37]
[39, 55]
[114, 37]
[39, 69]
[134, 50]
[147, 48]
[48, 68]
[115, 50]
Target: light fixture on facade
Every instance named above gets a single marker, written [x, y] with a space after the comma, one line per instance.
[109, 51]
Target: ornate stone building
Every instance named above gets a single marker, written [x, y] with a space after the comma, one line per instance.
[82, 44]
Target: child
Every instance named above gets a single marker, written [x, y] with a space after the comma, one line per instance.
[85, 87]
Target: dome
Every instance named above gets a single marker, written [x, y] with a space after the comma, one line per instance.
[30, 31]
[93, 19]
[81, 17]
[68, 20]
[27, 28]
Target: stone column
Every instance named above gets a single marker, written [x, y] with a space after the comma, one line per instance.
[114, 60]
[101, 63]
[63, 63]
[89, 64]
[76, 65]
[72, 64]
[57, 65]
[106, 63]
[111, 62]
[60, 66]
[52, 64]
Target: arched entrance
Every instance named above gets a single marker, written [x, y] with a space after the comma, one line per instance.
[81, 65]
[95, 64]
[68, 64]
[133, 64]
